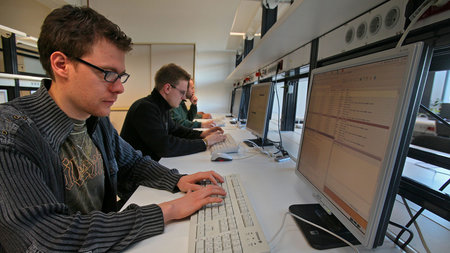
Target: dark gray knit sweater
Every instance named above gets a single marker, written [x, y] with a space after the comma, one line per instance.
[33, 216]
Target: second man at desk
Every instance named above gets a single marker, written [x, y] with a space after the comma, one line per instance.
[149, 127]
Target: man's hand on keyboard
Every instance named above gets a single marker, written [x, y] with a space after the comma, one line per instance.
[206, 116]
[208, 124]
[194, 199]
[211, 131]
[189, 182]
[215, 138]
[213, 135]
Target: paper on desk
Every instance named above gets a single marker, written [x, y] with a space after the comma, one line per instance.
[146, 195]
[175, 236]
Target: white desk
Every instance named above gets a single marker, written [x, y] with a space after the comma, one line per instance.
[271, 187]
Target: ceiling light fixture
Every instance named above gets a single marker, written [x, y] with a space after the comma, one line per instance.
[243, 34]
[21, 37]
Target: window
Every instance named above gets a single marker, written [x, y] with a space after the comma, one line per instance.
[429, 131]
[302, 94]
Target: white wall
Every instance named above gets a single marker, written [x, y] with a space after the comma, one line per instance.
[137, 64]
[24, 15]
[182, 55]
[142, 63]
[211, 69]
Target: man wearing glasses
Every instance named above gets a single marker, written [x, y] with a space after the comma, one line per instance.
[185, 117]
[62, 164]
[149, 127]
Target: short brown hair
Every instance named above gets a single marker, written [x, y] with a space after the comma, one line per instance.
[73, 31]
[170, 73]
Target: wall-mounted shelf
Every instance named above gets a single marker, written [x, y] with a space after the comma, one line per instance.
[304, 21]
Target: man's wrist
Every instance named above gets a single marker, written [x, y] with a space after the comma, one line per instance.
[205, 141]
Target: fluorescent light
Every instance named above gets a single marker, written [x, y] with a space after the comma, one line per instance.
[30, 44]
[243, 34]
[17, 32]
[29, 38]
[23, 77]
[21, 37]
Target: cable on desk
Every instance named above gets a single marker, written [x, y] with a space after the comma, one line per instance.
[280, 143]
[414, 218]
[390, 235]
[260, 148]
[245, 157]
[312, 224]
[419, 231]
[278, 103]
[396, 241]
[281, 227]
[242, 158]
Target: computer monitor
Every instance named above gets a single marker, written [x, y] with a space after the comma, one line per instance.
[261, 96]
[358, 125]
[245, 97]
[236, 103]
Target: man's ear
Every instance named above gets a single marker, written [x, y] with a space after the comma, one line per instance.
[166, 88]
[59, 63]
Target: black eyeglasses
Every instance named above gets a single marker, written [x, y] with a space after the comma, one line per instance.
[110, 76]
[182, 92]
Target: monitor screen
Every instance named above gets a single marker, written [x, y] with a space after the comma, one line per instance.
[236, 103]
[359, 120]
[245, 97]
[258, 110]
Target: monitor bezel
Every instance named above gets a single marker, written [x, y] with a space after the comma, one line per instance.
[418, 62]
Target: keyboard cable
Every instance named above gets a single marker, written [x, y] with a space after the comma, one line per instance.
[260, 149]
[312, 224]
[280, 143]
[245, 157]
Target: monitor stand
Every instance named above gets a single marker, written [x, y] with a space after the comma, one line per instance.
[318, 238]
[259, 142]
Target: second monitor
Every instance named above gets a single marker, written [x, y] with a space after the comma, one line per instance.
[258, 113]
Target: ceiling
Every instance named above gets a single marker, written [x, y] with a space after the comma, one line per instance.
[207, 23]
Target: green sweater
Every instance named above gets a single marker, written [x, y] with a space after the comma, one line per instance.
[182, 116]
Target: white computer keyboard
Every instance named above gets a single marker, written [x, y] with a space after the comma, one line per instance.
[230, 226]
[229, 145]
[219, 123]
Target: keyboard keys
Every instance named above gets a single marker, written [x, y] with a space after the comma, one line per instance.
[227, 228]
[209, 245]
[200, 231]
[236, 242]
[229, 145]
[226, 240]
[200, 246]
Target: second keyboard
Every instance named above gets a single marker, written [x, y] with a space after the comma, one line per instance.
[229, 145]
